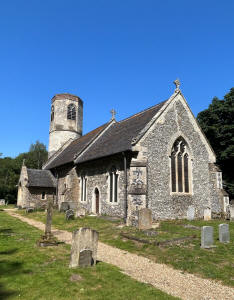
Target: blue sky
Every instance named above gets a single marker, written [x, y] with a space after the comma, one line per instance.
[113, 54]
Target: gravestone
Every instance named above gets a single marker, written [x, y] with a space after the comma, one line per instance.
[69, 214]
[80, 212]
[2, 202]
[84, 247]
[191, 213]
[29, 210]
[64, 206]
[144, 218]
[207, 237]
[207, 214]
[85, 259]
[231, 212]
[224, 234]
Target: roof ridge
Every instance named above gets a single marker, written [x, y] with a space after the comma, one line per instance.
[136, 114]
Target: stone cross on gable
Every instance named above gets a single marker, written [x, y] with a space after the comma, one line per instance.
[113, 113]
[177, 84]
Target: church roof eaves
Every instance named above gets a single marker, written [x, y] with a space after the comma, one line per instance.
[74, 148]
[40, 178]
[118, 138]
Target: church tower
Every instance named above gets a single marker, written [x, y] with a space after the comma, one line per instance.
[66, 120]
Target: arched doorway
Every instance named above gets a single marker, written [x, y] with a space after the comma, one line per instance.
[97, 200]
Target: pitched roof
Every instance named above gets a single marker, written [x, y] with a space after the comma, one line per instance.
[40, 178]
[76, 146]
[115, 139]
[119, 136]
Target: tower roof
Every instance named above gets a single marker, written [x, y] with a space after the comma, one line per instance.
[64, 96]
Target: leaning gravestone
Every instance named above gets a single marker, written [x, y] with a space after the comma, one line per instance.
[191, 213]
[207, 238]
[64, 206]
[231, 212]
[84, 248]
[144, 218]
[207, 214]
[224, 235]
[69, 214]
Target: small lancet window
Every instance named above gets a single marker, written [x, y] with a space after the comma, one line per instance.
[83, 188]
[52, 113]
[71, 112]
[113, 185]
[43, 196]
[180, 167]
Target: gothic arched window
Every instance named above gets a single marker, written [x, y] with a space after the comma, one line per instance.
[113, 185]
[180, 167]
[71, 112]
[52, 113]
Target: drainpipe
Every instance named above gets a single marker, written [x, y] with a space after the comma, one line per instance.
[125, 187]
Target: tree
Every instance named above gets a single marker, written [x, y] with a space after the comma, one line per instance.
[217, 123]
[10, 169]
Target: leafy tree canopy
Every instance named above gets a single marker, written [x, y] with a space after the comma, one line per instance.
[217, 123]
[10, 169]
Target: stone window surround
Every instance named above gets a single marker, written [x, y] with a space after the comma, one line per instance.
[45, 196]
[52, 113]
[219, 180]
[71, 112]
[83, 188]
[113, 186]
[187, 151]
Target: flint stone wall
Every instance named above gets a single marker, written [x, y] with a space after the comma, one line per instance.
[97, 174]
[177, 122]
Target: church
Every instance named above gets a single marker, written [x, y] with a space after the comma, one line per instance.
[158, 158]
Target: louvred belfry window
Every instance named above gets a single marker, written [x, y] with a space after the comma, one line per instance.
[71, 112]
[180, 167]
[52, 113]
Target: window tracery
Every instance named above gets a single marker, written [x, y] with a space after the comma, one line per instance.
[71, 112]
[180, 168]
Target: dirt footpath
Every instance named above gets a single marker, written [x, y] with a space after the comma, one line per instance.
[174, 282]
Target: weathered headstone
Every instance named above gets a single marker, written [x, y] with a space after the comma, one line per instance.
[144, 218]
[80, 212]
[191, 213]
[2, 202]
[84, 247]
[64, 206]
[207, 237]
[231, 208]
[207, 214]
[69, 214]
[29, 210]
[224, 234]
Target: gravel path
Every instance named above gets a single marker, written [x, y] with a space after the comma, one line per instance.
[174, 282]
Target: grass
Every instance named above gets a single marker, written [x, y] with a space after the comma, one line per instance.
[216, 263]
[29, 272]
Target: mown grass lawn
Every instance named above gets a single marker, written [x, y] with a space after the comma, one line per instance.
[216, 263]
[29, 272]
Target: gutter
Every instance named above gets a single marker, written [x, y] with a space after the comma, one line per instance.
[125, 187]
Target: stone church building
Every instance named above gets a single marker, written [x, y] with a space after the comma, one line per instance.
[158, 158]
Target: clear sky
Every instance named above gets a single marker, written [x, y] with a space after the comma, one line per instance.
[121, 54]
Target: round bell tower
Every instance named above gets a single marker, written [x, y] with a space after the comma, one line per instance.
[66, 120]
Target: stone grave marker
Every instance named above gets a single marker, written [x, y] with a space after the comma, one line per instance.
[64, 206]
[231, 212]
[2, 202]
[224, 234]
[72, 205]
[144, 218]
[191, 213]
[80, 212]
[69, 214]
[207, 214]
[84, 247]
[207, 237]
[29, 210]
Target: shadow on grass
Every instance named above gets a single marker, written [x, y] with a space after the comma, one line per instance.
[8, 268]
